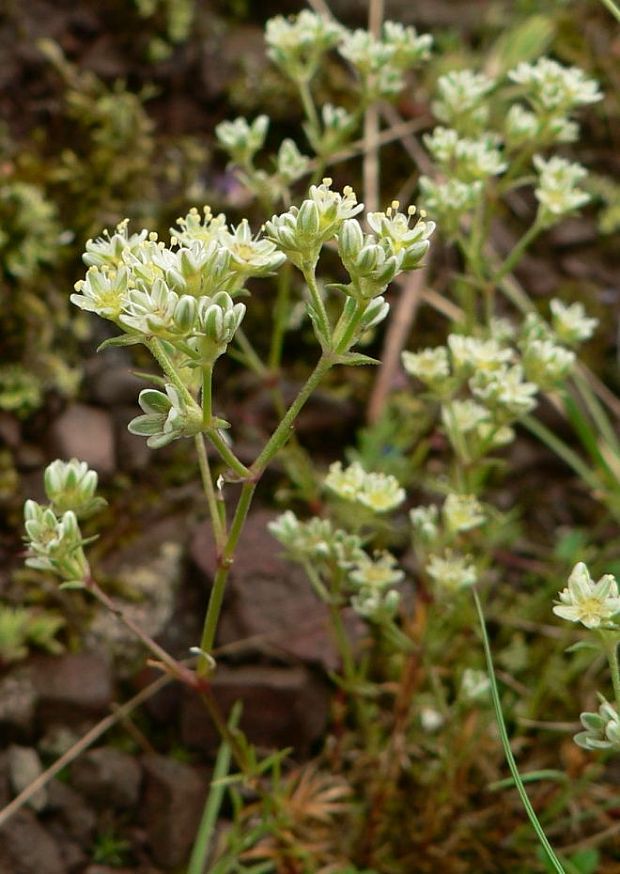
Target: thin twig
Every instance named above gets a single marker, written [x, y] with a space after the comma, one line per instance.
[120, 713]
[321, 8]
[395, 338]
[408, 141]
[387, 136]
[370, 170]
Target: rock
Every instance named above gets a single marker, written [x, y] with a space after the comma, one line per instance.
[282, 707]
[268, 598]
[86, 433]
[18, 699]
[152, 576]
[77, 819]
[112, 382]
[26, 847]
[107, 776]
[173, 801]
[75, 681]
[133, 453]
[24, 767]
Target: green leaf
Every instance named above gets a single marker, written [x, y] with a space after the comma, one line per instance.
[356, 359]
[123, 340]
[584, 644]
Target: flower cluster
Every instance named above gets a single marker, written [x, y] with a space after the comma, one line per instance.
[462, 100]
[439, 542]
[373, 260]
[301, 232]
[326, 551]
[468, 160]
[316, 540]
[53, 537]
[372, 579]
[469, 155]
[297, 44]
[376, 491]
[551, 87]
[71, 485]
[381, 63]
[557, 192]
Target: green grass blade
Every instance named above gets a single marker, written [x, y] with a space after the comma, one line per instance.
[503, 733]
[213, 804]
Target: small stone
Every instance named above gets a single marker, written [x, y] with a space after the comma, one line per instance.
[26, 847]
[24, 768]
[86, 433]
[18, 699]
[268, 599]
[107, 776]
[116, 384]
[78, 821]
[80, 681]
[282, 707]
[173, 801]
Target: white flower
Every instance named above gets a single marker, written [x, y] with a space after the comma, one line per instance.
[546, 363]
[448, 201]
[570, 323]
[475, 685]
[250, 256]
[554, 87]
[380, 573]
[505, 390]
[467, 159]
[346, 483]
[461, 98]
[557, 190]
[462, 513]
[424, 522]
[592, 604]
[103, 291]
[376, 491]
[464, 416]
[430, 366]
[473, 355]
[452, 572]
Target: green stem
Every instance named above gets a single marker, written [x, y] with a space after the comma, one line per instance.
[207, 396]
[563, 451]
[611, 7]
[282, 433]
[161, 356]
[224, 563]
[596, 411]
[280, 316]
[518, 251]
[226, 556]
[227, 455]
[200, 852]
[219, 531]
[344, 336]
[253, 359]
[309, 272]
[309, 107]
[503, 733]
[611, 651]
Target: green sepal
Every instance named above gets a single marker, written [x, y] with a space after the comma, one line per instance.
[73, 584]
[122, 340]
